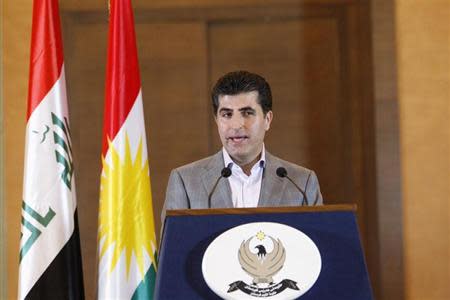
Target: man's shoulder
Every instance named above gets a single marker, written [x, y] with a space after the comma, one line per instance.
[202, 164]
[216, 160]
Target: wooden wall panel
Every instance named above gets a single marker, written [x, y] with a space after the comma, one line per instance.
[85, 73]
[300, 59]
[86, 5]
[174, 78]
[388, 173]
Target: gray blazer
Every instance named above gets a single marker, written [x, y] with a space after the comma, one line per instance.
[190, 185]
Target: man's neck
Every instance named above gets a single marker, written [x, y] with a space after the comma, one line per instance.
[247, 168]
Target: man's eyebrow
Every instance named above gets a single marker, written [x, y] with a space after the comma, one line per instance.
[247, 108]
[225, 109]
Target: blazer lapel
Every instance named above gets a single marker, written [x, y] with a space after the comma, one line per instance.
[221, 198]
[272, 186]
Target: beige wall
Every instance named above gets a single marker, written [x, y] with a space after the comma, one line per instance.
[424, 80]
[16, 44]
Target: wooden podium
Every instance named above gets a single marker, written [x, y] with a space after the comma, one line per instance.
[333, 229]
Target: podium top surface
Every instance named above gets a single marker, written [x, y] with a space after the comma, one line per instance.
[265, 210]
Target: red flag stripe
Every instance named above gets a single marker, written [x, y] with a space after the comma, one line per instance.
[46, 57]
[122, 72]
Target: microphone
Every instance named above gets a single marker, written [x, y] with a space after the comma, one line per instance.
[225, 173]
[282, 173]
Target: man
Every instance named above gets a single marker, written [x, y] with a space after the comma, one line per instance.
[242, 104]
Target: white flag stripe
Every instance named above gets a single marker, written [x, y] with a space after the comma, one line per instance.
[44, 190]
[116, 284]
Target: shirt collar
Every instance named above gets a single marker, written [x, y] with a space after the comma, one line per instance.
[227, 159]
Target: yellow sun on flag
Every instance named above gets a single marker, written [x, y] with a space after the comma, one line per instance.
[126, 212]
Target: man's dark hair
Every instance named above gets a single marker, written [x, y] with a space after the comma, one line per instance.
[238, 82]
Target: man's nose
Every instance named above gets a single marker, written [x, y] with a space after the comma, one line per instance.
[237, 122]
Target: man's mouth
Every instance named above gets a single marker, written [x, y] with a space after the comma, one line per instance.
[237, 138]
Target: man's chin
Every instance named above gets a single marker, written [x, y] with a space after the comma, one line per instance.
[239, 157]
[236, 154]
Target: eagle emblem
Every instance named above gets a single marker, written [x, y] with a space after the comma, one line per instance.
[263, 265]
[262, 257]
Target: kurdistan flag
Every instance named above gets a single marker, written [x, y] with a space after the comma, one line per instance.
[126, 234]
[50, 259]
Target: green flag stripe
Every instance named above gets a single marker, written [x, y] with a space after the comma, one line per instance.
[42, 220]
[35, 233]
[146, 288]
[60, 141]
[68, 169]
[65, 128]
[59, 123]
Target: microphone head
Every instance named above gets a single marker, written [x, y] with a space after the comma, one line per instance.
[281, 172]
[226, 172]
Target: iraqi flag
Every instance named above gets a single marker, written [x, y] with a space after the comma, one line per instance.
[126, 234]
[50, 257]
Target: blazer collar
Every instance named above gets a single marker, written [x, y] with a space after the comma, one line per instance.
[272, 186]
[222, 194]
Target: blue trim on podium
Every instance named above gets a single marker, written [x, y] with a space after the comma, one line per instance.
[185, 239]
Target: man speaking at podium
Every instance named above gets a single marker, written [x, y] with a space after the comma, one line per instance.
[243, 173]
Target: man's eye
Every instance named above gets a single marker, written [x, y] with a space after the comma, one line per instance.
[226, 115]
[247, 113]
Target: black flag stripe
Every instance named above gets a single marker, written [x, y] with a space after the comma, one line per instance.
[63, 279]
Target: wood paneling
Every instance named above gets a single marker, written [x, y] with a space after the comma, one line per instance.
[388, 175]
[89, 5]
[301, 61]
[174, 72]
[312, 55]
[85, 76]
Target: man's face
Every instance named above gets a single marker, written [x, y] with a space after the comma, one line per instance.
[242, 125]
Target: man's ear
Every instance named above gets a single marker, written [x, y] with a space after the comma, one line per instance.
[268, 119]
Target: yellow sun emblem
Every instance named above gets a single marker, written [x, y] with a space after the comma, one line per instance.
[126, 212]
[260, 235]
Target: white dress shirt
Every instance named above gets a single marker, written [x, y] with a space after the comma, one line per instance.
[245, 189]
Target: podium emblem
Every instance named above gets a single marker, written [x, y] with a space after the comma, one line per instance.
[262, 266]
[261, 260]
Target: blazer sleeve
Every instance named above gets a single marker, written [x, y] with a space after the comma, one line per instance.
[176, 195]
[313, 190]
